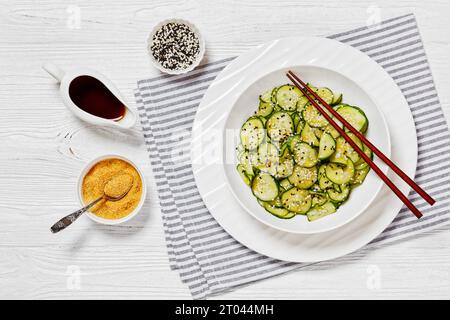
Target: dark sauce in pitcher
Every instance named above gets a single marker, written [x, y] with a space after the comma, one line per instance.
[92, 96]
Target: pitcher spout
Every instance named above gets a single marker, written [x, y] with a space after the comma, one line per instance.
[55, 71]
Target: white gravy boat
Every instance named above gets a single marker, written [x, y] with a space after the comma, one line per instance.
[65, 78]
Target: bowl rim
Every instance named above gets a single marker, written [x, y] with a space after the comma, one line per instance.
[384, 168]
[197, 32]
[88, 167]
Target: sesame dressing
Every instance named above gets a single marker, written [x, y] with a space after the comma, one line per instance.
[175, 46]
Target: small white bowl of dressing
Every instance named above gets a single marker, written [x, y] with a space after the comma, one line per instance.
[175, 46]
[120, 164]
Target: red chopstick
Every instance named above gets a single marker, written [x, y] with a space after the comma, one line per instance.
[374, 149]
[341, 131]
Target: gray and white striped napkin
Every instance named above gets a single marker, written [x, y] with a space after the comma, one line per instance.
[207, 258]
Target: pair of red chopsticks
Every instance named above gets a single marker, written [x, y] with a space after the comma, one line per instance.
[305, 90]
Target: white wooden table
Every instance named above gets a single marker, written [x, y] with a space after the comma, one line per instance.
[43, 148]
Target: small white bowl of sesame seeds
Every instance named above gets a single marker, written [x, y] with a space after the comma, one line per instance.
[175, 46]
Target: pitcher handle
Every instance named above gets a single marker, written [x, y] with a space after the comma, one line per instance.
[53, 70]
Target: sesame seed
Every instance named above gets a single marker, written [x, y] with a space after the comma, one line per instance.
[175, 46]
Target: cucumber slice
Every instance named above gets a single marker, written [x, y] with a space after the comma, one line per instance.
[345, 151]
[361, 164]
[265, 109]
[280, 126]
[341, 195]
[284, 146]
[263, 120]
[293, 141]
[339, 156]
[300, 126]
[273, 96]
[331, 130]
[243, 175]
[264, 187]
[315, 188]
[318, 198]
[337, 98]
[296, 118]
[285, 166]
[318, 133]
[327, 146]
[355, 116]
[239, 155]
[326, 94]
[245, 161]
[301, 104]
[267, 158]
[324, 182]
[304, 155]
[289, 215]
[319, 212]
[252, 133]
[278, 212]
[296, 200]
[339, 173]
[240, 148]
[340, 105]
[308, 136]
[287, 97]
[350, 152]
[303, 178]
[276, 203]
[281, 213]
[360, 176]
[313, 117]
[336, 187]
[312, 87]
[266, 96]
[285, 184]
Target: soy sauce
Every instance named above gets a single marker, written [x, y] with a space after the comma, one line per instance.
[92, 96]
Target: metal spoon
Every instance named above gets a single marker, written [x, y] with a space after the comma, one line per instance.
[69, 219]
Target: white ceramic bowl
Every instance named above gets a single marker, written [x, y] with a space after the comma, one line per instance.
[246, 105]
[197, 33]
[131, 214]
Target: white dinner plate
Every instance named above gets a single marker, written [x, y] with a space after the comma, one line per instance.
[301, 52]
[245, 106]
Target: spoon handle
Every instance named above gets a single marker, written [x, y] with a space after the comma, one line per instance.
[67, 220]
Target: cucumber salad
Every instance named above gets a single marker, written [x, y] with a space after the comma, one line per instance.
[293, 160]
